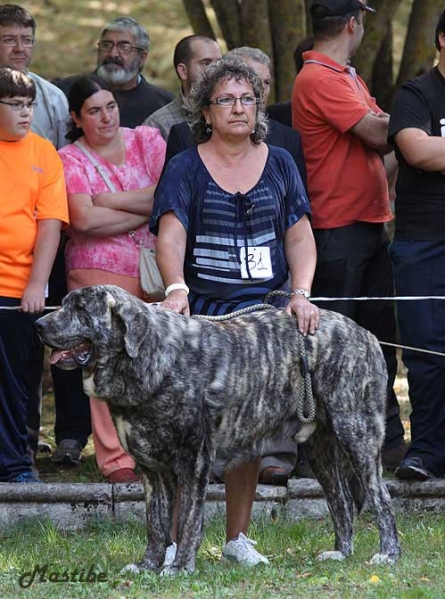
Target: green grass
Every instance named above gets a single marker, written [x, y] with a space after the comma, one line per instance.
[292, 548]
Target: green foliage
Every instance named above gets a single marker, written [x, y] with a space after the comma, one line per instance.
[292, 548]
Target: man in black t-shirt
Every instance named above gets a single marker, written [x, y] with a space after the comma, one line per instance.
[417, 130]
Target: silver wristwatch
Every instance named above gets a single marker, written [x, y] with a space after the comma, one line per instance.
[303, 292]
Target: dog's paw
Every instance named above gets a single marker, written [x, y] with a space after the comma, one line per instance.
[130, 568]
[175, 571]
[380, 559]
[336, 556]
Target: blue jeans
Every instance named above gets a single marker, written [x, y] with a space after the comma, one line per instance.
[419, 269]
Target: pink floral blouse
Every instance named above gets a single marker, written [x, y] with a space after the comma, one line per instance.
[144, 160]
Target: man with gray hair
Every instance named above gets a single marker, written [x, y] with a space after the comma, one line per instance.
[122, 51]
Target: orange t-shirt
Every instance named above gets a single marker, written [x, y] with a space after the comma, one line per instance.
[346, 178]
[32, 188]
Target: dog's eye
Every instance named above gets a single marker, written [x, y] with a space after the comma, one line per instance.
[83, 317]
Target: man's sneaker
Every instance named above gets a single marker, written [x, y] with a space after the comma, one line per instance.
[25, 477]
[242, 550]
[67, 453]
[170, 554]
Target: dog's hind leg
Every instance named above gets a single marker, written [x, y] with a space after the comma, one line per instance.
[193, 482]
[365, 460]
[159, 498]
[325, 456]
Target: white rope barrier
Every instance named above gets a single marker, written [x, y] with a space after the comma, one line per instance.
[336, 299]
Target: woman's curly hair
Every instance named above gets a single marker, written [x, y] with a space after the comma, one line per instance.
[201, 94]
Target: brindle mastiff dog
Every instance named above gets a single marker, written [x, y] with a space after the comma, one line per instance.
[180, 388]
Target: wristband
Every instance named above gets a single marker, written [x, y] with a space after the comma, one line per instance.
[175, 287]
[303, 292]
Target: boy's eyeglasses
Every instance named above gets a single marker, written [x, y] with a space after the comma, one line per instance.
[19, 106]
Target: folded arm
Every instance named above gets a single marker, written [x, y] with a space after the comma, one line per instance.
[420, 150]
[372, 129]
[99, 221]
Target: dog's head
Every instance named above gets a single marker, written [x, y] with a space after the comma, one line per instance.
[91, 320]
[125, 347]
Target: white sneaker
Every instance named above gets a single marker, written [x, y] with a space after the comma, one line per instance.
[242, 550]
[170, 554]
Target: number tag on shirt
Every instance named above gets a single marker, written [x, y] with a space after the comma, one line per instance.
[258, 259]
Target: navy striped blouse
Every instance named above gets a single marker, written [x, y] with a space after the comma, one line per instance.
[219, 224]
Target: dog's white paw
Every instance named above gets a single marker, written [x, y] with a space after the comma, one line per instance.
[380, 559]
[174, 571]
[337, 556]
[132, 568]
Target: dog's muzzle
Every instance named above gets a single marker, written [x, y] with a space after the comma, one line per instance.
[76, 357]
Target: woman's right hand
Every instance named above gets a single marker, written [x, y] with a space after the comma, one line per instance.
[177, 302]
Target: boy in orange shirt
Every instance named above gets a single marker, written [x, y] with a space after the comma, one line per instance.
[33, 209]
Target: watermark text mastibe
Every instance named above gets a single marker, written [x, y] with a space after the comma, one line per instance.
[45, 573]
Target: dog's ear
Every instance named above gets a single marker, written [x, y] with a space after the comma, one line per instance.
[134, 322]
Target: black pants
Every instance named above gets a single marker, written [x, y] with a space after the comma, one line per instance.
[353, 261]
[18, 343]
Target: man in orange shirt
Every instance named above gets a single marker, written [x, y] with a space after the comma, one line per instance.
[33, 209]
[344, 136]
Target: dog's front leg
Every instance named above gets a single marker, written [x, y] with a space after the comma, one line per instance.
[159, 497]
[193, 482]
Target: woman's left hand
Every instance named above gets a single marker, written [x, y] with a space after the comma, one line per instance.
[308, 315]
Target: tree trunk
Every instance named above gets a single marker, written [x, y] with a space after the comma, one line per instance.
[419, 51]
[198, 18]
[285, 39]
[382, 79]
[375, 31]
[255, 25]
[307, 11]
[228, 13]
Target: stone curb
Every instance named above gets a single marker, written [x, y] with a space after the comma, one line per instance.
[75, 505]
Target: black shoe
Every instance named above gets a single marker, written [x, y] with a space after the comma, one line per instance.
[392, 456]
[413, 468]
[302, 467]
[67, 453]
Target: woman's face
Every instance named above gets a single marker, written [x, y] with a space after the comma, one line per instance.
[99, 118]
[237, 120]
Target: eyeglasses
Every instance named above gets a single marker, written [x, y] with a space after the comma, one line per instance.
[122, 47]
[19, 106]
[10, 41]
[229, 101]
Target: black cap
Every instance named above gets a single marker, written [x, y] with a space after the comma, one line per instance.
[321, 9]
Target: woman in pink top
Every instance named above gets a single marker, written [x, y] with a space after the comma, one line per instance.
[110, 173]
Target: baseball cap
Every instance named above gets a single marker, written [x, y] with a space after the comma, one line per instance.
[321, 9]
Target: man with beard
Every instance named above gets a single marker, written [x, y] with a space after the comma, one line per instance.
[121, 54]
